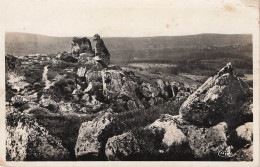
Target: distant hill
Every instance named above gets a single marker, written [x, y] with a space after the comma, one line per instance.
[121, 48]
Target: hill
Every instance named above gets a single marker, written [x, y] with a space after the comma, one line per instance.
[123, 49]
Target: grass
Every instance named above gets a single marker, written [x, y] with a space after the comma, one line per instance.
[139, 118]
[64, 127]
[34, 74]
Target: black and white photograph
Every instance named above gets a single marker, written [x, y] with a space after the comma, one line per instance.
[171, 81]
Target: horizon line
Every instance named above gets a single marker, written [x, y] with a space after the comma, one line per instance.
[129, 36]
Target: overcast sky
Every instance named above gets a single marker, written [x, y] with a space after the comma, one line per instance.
[130, 18]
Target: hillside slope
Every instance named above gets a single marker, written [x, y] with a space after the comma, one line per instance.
[121, 48]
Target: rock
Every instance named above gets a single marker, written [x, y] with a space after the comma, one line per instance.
[33, 97]
[122, 147]
[207, 142]
[173, 135]
[80, 45]
[148, 90]
[112, 82]
[18, 99]
[94, 88]
[27, 140]
[245, 132]
[93, 65]
[67, 57]
[85, 57]
[81, 71]
[101, 51]
[67, 108]
[83, 110]
[131, 105]
[218, 99]
[129, 90]
[158, 100]
[46, 101]
[174, 86]
[160, 85]
[244, 154]
[93, 103]
[16, 81]
[114, 67]
[94, 134]
[94, 76]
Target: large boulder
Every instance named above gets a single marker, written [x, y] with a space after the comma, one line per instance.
[80, 45]
[27, 140]
[207, 142]
[173, 135]
[122, 147]
[219, 99]
[245, 132]
[102, 55]
[170, 138]
[94, 134]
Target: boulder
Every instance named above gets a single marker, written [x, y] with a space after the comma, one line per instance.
[27, 140]
[112, 82]
[81, 71]
[85, 57]
[80, 45]
[148, 90]
[101, 52]
[129, 90]
[122, 147]
[93, 65]
[173, 135]
[94, 134]
[95, 76]
[245, 132]
[244, 154]
[207, 142]
[219, 99]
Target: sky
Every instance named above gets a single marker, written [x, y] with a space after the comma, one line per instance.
[125, 18]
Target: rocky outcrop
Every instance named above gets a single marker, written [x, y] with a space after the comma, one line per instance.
[218, 99]
[94, 134]
[27, 140]
[122, 147]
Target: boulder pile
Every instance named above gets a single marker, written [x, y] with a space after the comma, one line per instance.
[206, 129]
